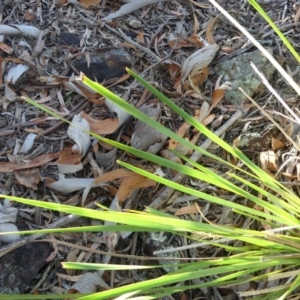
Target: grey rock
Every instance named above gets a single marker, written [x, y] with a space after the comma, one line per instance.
[239, 72]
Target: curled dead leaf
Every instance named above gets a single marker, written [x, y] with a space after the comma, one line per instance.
[198, 60]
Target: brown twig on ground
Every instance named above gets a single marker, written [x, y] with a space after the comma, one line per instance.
[78, 108]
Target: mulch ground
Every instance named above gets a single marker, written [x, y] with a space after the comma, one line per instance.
[70, 36]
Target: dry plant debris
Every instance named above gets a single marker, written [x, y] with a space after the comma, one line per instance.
[44, 45]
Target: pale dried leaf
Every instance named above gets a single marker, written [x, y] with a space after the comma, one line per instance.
[24, 44]
[268, 161]
[9, 93]
[28, 30]
[69, 185]
[130, 7]
[64, 168]
[7, 213]
[28, 143]
[112, 238]
[15, 72]
[204, 111]
[40, 44]
[19, 29]
[217, 123]
[105, 159]
[9, 30]
[198, 61]
[236, 141]
[79, 135]
[145, 137]
[122, 114]
[87, 283]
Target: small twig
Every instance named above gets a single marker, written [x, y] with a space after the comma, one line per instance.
[129, 40]
[166, 194]
[76, 110]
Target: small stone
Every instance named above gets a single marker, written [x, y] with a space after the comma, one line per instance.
[239, 72]
[69, 39]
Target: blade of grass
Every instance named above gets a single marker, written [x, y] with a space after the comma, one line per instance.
[202, 195]
[260, 10]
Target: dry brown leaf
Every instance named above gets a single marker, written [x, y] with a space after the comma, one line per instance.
[113, 175]
[71, 257]
[106, 126]
[174, 70]
[127, 45]
[33, 130]
[209, 36]
[68, 161]
[28, 15]
[88, 3]
[208, 119]
[6, 48]
[199, 78]
[277, 144]
[178, 43]
[297, 16]
[29, 177]
[129, 184]
[36, 162]
[182, 132]
[191, 209]
[140, 37]
[217, 96]
[288, 175]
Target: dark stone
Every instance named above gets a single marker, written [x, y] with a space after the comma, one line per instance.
[69, 39]
[20, 266]
[103, 65]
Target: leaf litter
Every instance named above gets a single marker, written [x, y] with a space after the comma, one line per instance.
[43, 158]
